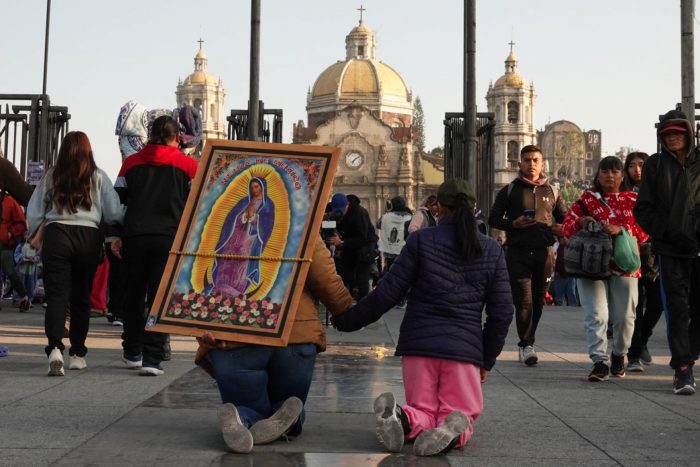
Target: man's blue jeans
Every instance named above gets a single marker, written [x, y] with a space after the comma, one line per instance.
[257, 379]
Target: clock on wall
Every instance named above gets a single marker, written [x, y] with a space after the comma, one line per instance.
[354, 159]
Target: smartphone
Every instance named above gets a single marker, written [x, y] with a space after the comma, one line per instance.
[530, 213]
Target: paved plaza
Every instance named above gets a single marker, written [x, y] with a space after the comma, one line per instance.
[545, 415]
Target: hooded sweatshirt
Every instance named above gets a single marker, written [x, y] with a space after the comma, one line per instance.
[669, 196]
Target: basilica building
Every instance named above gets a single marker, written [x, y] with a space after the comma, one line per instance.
[203, 91]
[364, 106]
[512, 101]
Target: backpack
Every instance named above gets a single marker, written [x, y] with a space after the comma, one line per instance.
[588, 253]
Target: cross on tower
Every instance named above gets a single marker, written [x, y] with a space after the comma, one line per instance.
[200, 43]
[511, 44]
[361, 10]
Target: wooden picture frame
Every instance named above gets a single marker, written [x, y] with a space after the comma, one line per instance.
[243, 247]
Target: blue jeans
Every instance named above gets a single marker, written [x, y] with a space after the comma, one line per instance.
[565, 291]
[257, 379]
[614, 299]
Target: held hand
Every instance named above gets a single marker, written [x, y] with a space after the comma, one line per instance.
[556, 229]
[334, 240]
[584, 221]
[524, 222]
[612, 229]
[116, 247]
[484, 374]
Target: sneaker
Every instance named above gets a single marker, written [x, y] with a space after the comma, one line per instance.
[273, 428]
[645, 356]
[438, 440]
[132, 361]
[117, 322]
[24, 305]
[56, 363]
[635, 366]
[388, 427]
[151, 369]
[236, 435]
[599, 372]
[527, 355]
[617, 366]
[77, 363]
[683, 381]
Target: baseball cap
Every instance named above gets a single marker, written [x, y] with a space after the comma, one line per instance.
[447, 192]
[338, 202]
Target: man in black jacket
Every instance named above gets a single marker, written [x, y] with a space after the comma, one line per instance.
[531, 213]
[358, 242]
[668, 208]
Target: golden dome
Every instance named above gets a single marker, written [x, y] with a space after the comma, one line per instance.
[511, 80]
[360, 28]
[359, 77]
[201, 77]
[201, 55]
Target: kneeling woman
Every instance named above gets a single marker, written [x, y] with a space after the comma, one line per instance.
[450, 273]
[615, 298]
[264, 388]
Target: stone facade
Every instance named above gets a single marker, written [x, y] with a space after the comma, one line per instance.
[512, 100]
[570, 153]
[363, 106]
[202, 90]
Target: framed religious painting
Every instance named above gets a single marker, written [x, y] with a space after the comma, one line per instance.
[242, 251]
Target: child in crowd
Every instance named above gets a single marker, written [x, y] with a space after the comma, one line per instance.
[451, 273]
[26, 259]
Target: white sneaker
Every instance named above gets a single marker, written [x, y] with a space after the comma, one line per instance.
[132, 362]
[117, 322]
[527, 355]
[151, 369]
[56, 363]
[236, 436]
[77, 363]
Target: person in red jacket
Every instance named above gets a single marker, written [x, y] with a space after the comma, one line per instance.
[13, 226]
[615, 298]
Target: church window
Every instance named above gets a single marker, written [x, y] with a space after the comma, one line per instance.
[513, 151]
[589, 171]
[589, 156]
[212, 112]
[513, 112]
[360, 50]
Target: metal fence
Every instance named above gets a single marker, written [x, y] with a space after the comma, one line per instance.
[270, 125]
[456, 163]
[31, 129]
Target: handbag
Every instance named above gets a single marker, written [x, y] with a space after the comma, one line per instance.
[587, 254]
[627, 252]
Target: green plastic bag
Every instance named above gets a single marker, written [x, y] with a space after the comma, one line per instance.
[627, 252]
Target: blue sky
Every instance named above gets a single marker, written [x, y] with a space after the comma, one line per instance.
[607, 65]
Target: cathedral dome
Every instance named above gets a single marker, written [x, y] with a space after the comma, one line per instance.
[511, 78]
[362, 78]
[200, 74]
[201, 77]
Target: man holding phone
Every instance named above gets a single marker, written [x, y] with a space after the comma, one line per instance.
[530, 211]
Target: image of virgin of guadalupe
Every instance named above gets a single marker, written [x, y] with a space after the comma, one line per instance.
[245, 232]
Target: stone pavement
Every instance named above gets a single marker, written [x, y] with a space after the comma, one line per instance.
[544, 415]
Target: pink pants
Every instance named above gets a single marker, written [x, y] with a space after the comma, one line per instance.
[435, 387]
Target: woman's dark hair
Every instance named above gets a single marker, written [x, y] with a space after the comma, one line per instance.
[163, 130]
[72, 174]
[465, 225]
[606, 163]
[628, 183]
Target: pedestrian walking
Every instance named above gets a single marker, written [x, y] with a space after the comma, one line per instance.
[668, 208]
[530, 211]
[613, 299]
[153, 184]
[70, 202]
